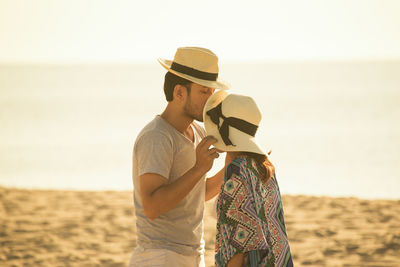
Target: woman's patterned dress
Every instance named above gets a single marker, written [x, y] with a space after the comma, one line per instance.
[250, 218]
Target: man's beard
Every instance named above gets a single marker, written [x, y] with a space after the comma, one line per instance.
[190, 112]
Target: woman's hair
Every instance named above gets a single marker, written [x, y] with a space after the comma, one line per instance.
[265, 167]
[170, 81]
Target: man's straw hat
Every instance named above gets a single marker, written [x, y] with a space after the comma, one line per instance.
[196, 64]
[233, 120]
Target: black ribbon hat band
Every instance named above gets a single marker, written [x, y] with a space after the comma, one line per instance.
[193, 72]
[239, 124]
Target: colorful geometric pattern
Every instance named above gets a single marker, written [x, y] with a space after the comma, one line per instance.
[250, 218]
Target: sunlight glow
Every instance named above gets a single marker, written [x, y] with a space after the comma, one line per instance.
[126, 31]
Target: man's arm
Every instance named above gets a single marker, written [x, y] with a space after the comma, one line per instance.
[213, 184]
[159, 197]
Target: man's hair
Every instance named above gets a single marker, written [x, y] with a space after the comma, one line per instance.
[170, 81]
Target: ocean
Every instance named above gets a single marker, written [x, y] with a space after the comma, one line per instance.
[333, 127]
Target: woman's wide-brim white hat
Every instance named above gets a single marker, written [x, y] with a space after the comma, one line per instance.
[239, 107]
[196, 64]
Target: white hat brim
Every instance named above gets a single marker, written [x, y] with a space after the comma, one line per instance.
[218, 84]
[242, 141]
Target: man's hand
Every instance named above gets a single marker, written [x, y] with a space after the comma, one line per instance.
[159, 196]
[204, 155]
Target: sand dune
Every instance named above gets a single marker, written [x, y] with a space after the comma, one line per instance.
[75, 228]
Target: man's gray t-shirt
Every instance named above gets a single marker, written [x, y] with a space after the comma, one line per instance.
[162, 149]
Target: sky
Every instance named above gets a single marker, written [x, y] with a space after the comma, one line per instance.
[115, 31]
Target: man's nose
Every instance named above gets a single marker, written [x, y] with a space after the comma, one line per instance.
[211, 91]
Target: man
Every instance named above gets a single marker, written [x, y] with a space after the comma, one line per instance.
[170, 159]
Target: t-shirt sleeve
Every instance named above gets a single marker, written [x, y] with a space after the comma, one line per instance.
[154, 154]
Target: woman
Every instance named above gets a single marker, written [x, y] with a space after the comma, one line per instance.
[250, 228]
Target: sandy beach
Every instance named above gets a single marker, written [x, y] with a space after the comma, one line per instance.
[76, 228]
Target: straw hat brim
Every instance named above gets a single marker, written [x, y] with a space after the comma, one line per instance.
[242, 141]
[218, 84]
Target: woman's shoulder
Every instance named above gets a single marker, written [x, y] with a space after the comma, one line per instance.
[237, 167]
[243, 162]
[238, 163]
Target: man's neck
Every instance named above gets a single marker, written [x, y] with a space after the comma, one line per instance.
[176, 119]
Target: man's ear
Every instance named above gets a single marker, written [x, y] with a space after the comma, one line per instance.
[180, 92]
